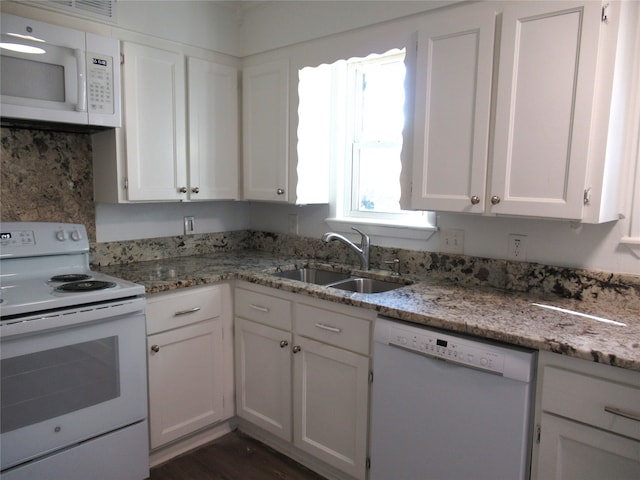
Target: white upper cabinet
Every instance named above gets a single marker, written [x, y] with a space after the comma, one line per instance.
[180, 135]
[266, 131]
[155, 122]
[274, 168]
[550, 150]
[213, 130]
[452, 109]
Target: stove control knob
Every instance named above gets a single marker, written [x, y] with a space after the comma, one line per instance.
[61, 235]
[76, 236]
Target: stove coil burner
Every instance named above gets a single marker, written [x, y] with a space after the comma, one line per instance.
[85, 286]
[70, 277]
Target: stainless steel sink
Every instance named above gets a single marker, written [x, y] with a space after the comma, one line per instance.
[340, 280]
[366, 285]
[313, 275]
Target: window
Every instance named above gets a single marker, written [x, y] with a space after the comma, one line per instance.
[353, 111]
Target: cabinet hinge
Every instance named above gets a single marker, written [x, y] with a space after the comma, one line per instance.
[586, 199]
[368, 463]
[538, 432]
[122, 59]
[604, 17]
[371, 376]
[126, 183]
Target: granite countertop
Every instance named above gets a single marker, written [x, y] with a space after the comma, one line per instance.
[601, 331]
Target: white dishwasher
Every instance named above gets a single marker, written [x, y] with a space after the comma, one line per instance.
[468, 417]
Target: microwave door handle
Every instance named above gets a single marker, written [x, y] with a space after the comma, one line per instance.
[81, 104]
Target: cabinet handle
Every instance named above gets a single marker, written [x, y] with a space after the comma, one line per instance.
[296, 348]
[182, 189]
[280, 191]
[495, 200]
[186, 312]
[195, 190]
[328, 328]
[475, 200]
[283, 343]
[259, 308]
[622, 413]
[155, 348]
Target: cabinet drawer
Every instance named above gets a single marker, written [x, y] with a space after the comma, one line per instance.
[333, 327]
[263, 308]
[602, 403]
[166, 311]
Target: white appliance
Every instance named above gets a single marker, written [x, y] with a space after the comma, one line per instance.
[55, 74]
[73, 398]
[449, 407]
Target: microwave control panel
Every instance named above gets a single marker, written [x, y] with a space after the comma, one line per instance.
[100, 83]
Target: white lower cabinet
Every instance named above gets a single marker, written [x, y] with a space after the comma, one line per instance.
[189, 348]
[588, 419]
[302, 373]
[263, 374]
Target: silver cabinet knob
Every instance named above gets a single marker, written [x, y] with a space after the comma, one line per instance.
[182, 189]
[495, 200]
[155, 348]
[296, 348]
[475, 200]
[280, 191]
[195, 190]
[283, 343]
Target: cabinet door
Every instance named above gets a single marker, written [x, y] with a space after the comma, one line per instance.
[544, 104]
[213, 130]
[155, 121]
[185, 380]
[266, 131]
[571, 450]
[453, 101]
[263, 376]
[331, 405]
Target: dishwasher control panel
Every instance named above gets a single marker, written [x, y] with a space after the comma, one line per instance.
[446, 347]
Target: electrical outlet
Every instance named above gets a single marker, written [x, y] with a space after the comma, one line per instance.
[517, 247]
[451, 240]
[189, 225]
[293, 223]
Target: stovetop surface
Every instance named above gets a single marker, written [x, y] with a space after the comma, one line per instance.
[32, 253]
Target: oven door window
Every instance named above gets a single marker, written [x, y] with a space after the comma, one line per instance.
[44, 385]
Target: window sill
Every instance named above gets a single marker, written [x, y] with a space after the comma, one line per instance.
[382, 228]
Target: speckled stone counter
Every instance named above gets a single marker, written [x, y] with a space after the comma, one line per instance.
[604, 329]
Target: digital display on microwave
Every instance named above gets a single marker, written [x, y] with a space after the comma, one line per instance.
[100, 61]
[5, 236]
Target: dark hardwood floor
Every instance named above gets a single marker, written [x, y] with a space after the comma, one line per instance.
[234, 456]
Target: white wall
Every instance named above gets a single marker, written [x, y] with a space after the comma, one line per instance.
[273, 24]
[154, 220]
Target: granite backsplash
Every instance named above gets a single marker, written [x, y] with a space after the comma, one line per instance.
[577, 284]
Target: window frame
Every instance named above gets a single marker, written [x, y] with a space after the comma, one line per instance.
[344, 197]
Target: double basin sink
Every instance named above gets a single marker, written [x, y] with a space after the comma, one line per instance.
[340, 280]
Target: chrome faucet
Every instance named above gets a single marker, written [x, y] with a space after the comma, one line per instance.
[362, 250]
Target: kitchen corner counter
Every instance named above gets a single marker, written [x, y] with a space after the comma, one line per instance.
[601, 331]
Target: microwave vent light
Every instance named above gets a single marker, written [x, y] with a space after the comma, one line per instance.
[26, 37]
[19, 47]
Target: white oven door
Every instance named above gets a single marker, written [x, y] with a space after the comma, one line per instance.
[64, 385]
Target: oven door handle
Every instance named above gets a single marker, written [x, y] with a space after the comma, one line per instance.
[187, 312]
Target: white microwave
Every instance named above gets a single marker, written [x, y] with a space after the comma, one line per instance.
[56, 74]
